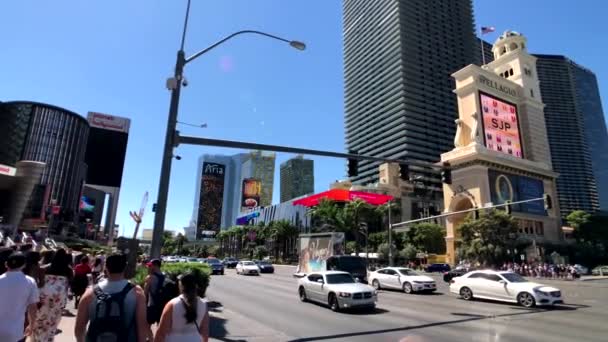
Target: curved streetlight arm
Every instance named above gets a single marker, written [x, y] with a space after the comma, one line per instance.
[295, 44]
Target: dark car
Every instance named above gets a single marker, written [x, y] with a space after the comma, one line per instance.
[354, 265]
[456, 272]
[265, 266]
[230, 262]
[437, 268]
[216, 265]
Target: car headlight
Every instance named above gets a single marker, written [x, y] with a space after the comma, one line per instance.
[344, 294]
[541, 292]
[417, 282]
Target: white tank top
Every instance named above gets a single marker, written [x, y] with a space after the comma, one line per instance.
[180, 330]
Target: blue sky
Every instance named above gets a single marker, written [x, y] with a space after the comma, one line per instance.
[114, 56]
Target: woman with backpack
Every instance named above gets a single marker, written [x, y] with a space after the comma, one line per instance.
[185, 318]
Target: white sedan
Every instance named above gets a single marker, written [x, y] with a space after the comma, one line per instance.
[504, 286]
[247, 267]
[337, 289]
[401, 278]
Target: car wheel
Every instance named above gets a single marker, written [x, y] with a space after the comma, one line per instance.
[333, 303]
[466, 293]
[526, 300]
[376, 284]
[302, 294]
[407, 288]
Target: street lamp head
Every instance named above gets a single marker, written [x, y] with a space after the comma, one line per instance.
[297, 45]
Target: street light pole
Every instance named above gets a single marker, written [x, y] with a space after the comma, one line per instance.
[171, 141]
[390, 235]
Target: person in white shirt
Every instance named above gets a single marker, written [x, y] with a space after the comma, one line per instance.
[19, 295]
[185, 318]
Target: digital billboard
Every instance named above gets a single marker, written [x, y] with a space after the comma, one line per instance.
[211, 199]
[500, 125]
[252, 189]
[315, 249]
[508, 187]
[87, 204]
[105, 156]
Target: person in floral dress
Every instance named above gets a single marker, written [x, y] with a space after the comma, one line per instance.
[53, 297]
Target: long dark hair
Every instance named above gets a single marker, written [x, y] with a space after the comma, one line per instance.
[32, 260]
[60, 265]
[189, 289]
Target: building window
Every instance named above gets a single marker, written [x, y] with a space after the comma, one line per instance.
[531, 93]
[511, 72]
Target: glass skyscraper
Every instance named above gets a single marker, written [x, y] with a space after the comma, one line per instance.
[297, 178]
[398, 61]
[577, 134]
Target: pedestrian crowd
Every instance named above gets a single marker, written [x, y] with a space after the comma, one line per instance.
[542, 270]
[37, 286]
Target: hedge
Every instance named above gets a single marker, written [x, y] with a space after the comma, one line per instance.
[200, 271]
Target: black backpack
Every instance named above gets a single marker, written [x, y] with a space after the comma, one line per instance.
[109, 323]
[165, 291]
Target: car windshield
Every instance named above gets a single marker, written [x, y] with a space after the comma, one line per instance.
[407, 271]
[339, 278]
[264, 263]
[513, 277]
[248, 263]
[213, 261]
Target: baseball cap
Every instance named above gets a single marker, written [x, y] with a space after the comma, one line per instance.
[154, 262]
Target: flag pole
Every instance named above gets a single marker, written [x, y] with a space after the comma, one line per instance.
[483, 55]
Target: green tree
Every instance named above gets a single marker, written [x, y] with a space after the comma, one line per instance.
[376, 239]
[357, 211]
[260, 252]
[169, 246]
[382, 251]
[578, 218]
[487, 239]
[408, 253]
[428, 237]
[325, 215]
[351, 247]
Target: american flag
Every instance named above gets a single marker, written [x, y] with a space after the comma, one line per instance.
[487, 29]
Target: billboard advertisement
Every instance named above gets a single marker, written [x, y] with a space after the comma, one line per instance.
[500, 125]
[87, 204]
[106, 149]
[251, 191]
[211, 199]
[314, 249]
[508, 187]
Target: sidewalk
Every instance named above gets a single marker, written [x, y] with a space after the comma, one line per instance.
[225, 325]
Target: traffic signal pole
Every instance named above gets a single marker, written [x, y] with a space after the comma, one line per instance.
[404, 224]
[296, 150]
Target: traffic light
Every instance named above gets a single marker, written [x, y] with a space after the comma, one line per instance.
[353, 165]
[446, 173]
[508, 207]
[548, 202]
[404, 172]
[154, 207]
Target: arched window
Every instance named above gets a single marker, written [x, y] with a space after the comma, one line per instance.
[513, 47]
[503, 50]
[511, 72]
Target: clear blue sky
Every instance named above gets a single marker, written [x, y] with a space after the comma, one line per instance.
[114, 56]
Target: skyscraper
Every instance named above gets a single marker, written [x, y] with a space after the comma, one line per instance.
[577, 133]
[297, 178]
[260, 165]
[398, 61]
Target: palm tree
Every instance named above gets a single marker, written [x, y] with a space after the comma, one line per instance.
[358, 211]
[325, 213]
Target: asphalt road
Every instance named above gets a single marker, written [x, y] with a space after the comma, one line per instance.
[267, 308]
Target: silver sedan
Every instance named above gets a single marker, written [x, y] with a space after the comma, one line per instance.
[336, 289]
